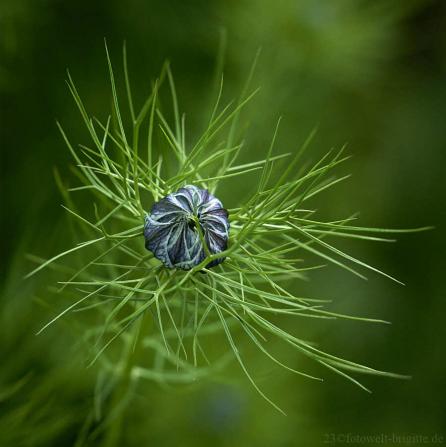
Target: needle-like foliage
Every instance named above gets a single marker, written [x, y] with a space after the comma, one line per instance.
[133, 162]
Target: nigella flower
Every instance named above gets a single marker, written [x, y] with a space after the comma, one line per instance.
[181, 223]
[187, 226]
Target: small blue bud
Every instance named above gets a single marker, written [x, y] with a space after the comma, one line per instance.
[171, 232]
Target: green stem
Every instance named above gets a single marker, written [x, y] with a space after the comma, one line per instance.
[130, 355]
[201, 235]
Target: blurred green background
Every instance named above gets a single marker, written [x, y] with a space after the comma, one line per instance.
[370, 73]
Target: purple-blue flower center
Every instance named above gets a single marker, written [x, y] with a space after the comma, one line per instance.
[185, 227]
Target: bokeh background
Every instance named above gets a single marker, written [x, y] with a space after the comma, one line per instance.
[370, 73]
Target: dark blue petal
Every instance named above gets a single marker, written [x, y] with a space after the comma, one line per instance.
[171, 233]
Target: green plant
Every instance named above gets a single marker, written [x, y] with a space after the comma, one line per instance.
[133, 163]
